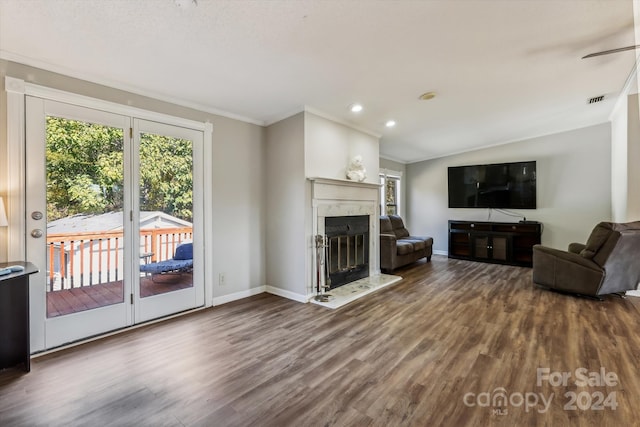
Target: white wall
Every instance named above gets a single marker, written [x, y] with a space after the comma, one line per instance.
[633, 159]
[238, 209]
[573, 184]
[286, 207]
[300, 147]
[625, 156]
[619, 161]
[330, 146]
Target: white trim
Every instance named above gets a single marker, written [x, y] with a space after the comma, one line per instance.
[15, 167]
[239, 295]
[319, 113]
[125, 87]
[280, 117]
[108, 106]
[287, 294]
[393, 159]
[626, 89]
[445, 253]
[324, 115]
[391, 173]
[208, 215]
[343, 182]
[498, 144]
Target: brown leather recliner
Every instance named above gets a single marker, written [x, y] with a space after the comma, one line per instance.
[608, 263]
[398, 247]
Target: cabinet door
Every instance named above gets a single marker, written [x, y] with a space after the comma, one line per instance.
[499, 248]
[481, 247]
[491, 247]
[459, 244]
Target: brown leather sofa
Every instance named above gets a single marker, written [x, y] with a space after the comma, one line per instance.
[398, 247]
[608, 263]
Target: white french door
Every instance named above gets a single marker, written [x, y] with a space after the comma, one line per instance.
[171, 156]
[84, 279]
[106, 193]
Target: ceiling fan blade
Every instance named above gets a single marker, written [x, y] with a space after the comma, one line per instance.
[607, 52]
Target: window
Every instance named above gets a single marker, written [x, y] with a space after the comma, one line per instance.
[390, 192]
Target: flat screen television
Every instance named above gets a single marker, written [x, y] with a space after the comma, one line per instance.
[499, 186]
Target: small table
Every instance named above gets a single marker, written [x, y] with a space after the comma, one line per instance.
[14, 316]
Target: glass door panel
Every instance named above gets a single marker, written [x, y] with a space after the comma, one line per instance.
[166, 214]
[85, 221]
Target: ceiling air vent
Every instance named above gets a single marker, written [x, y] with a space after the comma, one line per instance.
[595, 99]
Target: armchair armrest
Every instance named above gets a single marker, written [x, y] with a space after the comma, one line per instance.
[389, 241]
[576, 248]
[388, 250]
[566, 271]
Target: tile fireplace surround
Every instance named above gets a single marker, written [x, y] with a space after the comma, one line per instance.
[332, 198]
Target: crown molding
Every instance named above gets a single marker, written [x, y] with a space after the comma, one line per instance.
[320, 113]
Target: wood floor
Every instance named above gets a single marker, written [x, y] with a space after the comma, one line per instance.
[410, 354]
[69, 301]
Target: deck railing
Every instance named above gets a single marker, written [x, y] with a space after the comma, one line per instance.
[89, 258]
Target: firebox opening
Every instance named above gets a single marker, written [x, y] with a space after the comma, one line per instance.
[347, 250]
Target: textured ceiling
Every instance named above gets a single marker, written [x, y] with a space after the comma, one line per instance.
[502, 70]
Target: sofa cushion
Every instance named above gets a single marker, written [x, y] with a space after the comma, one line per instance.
[184, 251]
[598, 236]
[385, 225]
[398, 226]
[404, 247]
[401, 232]
[417, 244]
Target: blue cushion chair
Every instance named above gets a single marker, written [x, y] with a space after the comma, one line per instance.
[181, 262]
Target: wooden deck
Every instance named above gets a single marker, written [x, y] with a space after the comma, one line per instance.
[74, 300]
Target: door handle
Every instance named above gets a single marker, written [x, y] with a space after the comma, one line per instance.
[37, 233]
[37, 215]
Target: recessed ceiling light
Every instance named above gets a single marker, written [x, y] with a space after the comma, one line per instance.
[355, 108]
[390, 123]
[426, 96]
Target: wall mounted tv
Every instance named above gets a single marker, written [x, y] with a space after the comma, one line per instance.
[499, 186]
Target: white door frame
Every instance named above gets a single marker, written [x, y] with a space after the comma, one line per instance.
[16, 90]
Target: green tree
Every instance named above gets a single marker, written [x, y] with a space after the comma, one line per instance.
[166, 179]
[85, 170]
[75, 153]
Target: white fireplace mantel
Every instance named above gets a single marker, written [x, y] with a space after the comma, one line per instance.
[335, 197]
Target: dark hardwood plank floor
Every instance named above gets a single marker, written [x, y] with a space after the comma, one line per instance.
[406, 355]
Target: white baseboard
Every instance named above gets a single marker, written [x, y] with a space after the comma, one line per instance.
[238, 295]
[633, 293]
[286, 294]
[445, 253]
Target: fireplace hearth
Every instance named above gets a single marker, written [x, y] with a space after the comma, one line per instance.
[347, 249]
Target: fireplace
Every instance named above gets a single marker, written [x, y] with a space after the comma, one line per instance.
[347, 249]
[344, 222]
